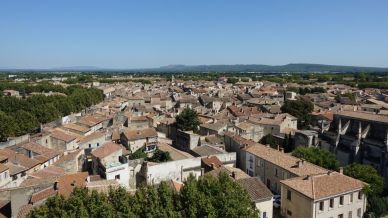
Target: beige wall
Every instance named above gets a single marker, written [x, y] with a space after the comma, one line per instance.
[270, 174]
[302, 206]
[341, 209]
[4, 178]
[265, 206]
[299, 205]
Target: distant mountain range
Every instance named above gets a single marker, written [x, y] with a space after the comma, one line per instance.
[227, 68]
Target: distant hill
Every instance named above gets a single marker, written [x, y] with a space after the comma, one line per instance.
[269, 68]
[308, 68]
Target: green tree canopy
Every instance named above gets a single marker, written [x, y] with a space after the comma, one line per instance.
[23, 115]
[206, 197]
[301, 109]
[317, 156]
[368, 174]
[187, 120]
[377, 203]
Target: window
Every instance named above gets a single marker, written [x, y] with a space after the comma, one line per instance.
[321, 205]
[350, 214]
[260, 163]
[276, 172]
[264, 214]
[351, 198]
[90, 145]
[340, 216]
[98, 144]
[359, 195]
[341, 201]
[288, 195]
[359, 212]
[289, 213]
[332, 203]
[117, 177]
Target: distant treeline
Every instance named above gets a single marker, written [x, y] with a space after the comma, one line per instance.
[27, 88]
[23, 115]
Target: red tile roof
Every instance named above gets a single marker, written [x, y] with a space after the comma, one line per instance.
[106, 150]
[42, 195]
[67, 183]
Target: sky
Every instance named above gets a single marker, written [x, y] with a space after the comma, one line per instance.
[146, 33]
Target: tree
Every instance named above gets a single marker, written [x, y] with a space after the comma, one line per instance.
[377, 204]
[160, 156]
[23, 115]
[317, 156]
[232, 80]
[206, 197]
[26, 122]
[288, 144]
[8, 126]
[269, 140]
[301, 109]
[187, 120]
[368, 174]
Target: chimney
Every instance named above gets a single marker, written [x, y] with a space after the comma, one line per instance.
[341, 170]
[282, 150]
[278, 147]
[267, 145]
[300, 163]
[202, 171]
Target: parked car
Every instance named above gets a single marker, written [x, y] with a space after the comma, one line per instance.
[276, 201]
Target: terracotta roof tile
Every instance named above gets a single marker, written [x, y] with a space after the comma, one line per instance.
[106, 149]
[3, 168]
[255, 188]
[19, 159]
[285, 161]
[62, 136]
[211, 161]
[90, 137]
[67, 183]
[42, 195]
[24, 211]
[76, 127]
[323, 185]
[40, 149]
[140, 134]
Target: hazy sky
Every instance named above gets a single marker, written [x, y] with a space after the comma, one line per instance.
[142, 33]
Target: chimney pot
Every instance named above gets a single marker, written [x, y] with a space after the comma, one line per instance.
[341, 170]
